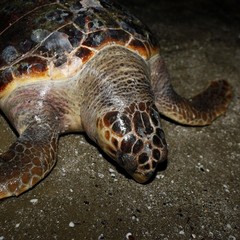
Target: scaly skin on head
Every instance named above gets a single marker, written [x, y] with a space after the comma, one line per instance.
[122, 120]
[134, 138]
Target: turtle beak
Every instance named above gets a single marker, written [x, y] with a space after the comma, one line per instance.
[142, 177]
[128, 162]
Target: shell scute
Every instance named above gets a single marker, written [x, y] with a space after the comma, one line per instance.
[84, 54]
[75, 36]
[9, 54]
[6, 77]
[95, 39]
[29, 66]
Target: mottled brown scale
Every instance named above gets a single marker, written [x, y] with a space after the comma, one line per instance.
[122, 126]
[138, 146]
[111, 151]
[110, 118]
[25, 177]
[88, 65]
[115, 142]
[153, 165]
[36, 171]
[157, 141]
[139, 46]
[143, 158]
[131, 108]
[117, 128]
[84, 53]
[97, 29]
[107, 135]
[159, 133]
[138, 123]
[118, 35]
[127, 143]
[147, 166]
[142, 106]
[95, 39]
[32, 66]
[147, 124]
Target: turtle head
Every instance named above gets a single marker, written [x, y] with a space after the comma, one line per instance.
[134, 139]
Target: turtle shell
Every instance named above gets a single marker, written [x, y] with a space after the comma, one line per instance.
[46, 40]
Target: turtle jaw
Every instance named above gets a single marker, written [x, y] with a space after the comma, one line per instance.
[141, 173]
[141, 177]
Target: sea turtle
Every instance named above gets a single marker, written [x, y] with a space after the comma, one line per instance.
[91, 66]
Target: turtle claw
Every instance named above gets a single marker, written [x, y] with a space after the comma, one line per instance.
[28, 160]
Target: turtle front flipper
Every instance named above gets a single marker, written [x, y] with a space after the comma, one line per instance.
[28, 160]
[199, 110]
